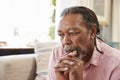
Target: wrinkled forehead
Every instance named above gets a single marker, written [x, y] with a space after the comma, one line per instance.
[74, 17]
[71, 20]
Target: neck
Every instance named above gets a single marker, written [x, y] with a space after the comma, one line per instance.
[88, 56]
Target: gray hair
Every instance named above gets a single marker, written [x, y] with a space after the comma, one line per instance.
[89, 16]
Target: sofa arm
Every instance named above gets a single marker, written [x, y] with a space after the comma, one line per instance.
[17, 67]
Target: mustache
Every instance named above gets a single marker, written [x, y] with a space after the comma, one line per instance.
[69, 49]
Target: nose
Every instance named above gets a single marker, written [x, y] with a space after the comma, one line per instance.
[66, 40]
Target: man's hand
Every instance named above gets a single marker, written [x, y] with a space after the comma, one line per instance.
[69, 67]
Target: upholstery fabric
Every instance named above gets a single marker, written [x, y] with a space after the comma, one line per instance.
[42, 59]
[17, 67]
[43, 51]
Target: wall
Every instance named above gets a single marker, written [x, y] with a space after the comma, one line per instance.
[116, 21]
[109, 32]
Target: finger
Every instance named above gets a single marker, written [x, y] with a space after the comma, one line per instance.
[68, 62]
[73, 54]
[68, 56]
[75, 61]
[65, 57]
[60, 67]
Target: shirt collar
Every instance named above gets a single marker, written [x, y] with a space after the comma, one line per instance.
[96, 55]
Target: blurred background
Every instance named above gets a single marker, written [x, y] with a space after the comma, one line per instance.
[24, 22]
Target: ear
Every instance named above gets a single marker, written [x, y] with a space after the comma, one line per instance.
[93, 31]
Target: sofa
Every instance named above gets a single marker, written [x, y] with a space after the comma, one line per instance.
[27, 66]
[23, 67]
[18, 67]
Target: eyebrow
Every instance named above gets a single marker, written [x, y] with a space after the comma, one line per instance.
[74, 29]
[69, 29]
[59, 31]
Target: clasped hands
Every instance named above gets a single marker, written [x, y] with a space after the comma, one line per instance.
[69, 67]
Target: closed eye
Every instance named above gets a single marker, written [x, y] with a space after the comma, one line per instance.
[61, 35]
[73, 33]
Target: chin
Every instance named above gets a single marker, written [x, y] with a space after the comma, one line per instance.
[87, 58]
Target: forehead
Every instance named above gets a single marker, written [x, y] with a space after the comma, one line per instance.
[71, 21]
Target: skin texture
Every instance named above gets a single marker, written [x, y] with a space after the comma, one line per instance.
[74, 35]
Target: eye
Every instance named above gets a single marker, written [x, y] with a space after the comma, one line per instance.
[61, 35]
[73, 33]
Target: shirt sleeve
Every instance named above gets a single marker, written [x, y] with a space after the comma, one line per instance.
[55, 55]
[115, 75]
[52, 62]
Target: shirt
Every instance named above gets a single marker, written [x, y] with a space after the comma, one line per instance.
[104, 66]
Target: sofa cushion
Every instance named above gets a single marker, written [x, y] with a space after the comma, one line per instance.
[43, 51]
[17, 67]
[40, 77]
[42, 60]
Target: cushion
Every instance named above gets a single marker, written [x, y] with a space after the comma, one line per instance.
[17, 67]
[40, 78]
[43, 51]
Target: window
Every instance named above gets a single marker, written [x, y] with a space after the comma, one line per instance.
[24, 21]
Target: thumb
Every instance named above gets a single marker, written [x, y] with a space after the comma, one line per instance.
[73, 54]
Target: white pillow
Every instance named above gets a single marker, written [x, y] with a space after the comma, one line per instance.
[43, 51]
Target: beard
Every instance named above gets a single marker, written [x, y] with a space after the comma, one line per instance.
[68, 49]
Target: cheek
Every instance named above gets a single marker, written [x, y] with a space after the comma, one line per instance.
[78, 42]
[82, 42]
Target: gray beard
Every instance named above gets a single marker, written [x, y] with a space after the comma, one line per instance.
[69, 49]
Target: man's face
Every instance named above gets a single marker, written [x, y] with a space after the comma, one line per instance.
[74, 34]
